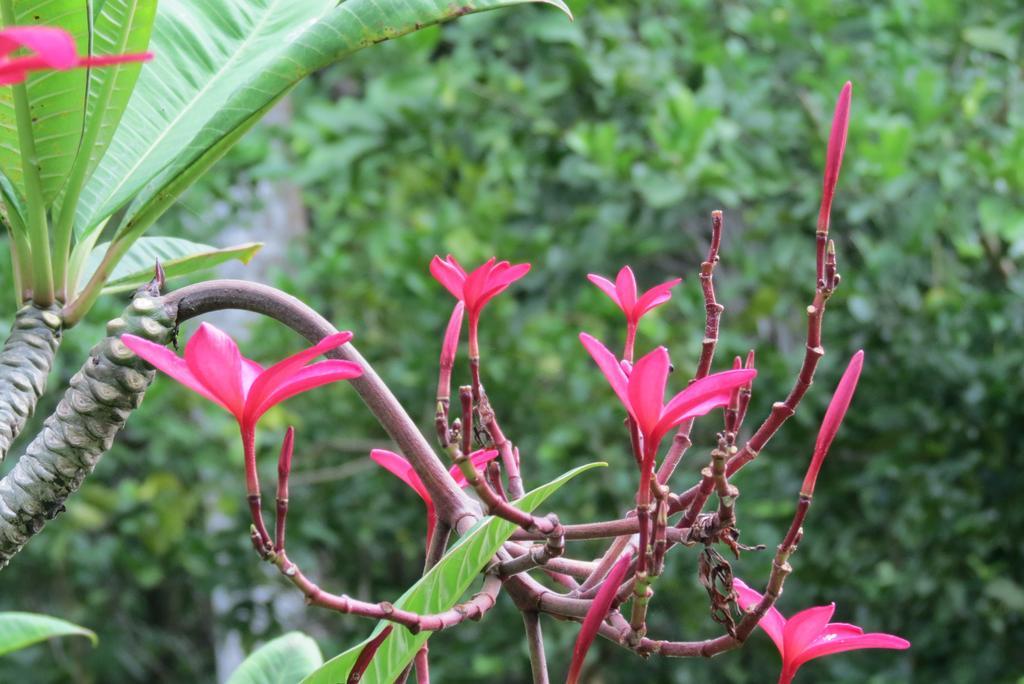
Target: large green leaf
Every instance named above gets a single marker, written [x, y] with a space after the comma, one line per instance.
[56, 101]
[438, 590]
[18, 630]
[218, 63]
[120, 26]
[177, 256]
[285, 660]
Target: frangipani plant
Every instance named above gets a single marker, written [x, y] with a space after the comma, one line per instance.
[141, 135]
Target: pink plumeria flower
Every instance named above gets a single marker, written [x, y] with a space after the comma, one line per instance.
[213, 367]
[623, 292]
[833, 419]
[477, 288]
[52, 49]
[595, 616]
[403, 470]
[642, 392]
[808, 634]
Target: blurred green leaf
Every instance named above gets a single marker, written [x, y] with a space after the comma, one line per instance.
[285, 660]
[18, 630]
[178, 257]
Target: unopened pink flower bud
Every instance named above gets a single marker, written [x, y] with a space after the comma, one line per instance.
[834, 157]
[833, 419]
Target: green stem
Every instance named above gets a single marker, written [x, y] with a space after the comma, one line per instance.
[80, 306]
[21, 250]
[38, 234]
[21, 259]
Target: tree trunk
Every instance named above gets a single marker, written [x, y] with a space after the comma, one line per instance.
[25, 363]
[94, 409]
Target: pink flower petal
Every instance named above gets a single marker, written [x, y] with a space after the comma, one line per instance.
[607, 286]
[310, 377]
[609, 365]
[804, 627]
[501, 277]
[647, 389]
[625, 285]
[110, 60]
[280, 372]
[448, 274]
[165, 360]
[478, 459]
[214, 359]
[402, 469]
[595, 616]
[54, 47]
[833, 419]
[450, 345]
[656, 296]
[772, 622]
[835, 630]
[250, 371]
[509, 274]
[853, 642]
[475, 286]
[702, 395]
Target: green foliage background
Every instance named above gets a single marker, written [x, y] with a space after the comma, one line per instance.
[581, 147]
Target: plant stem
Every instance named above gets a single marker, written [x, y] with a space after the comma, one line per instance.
[119, 246]
[38, 234]
[535, 638]
[21, 254]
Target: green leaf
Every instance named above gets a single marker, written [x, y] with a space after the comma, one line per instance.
[285, 660]
[56, 101]
[992, 39]
[121, 26]
[18, 630]
[178, 257]
[218, 63]
[439, 590]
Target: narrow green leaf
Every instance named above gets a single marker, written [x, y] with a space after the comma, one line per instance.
[178, 257]
[438, 590]
[18, 630]
[218, 63]
[56, 101]
[285, 660]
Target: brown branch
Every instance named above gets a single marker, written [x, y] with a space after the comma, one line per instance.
[712, 319]
[535, 640]
[452, 504]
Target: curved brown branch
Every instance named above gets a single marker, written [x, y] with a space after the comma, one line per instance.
[215, 295]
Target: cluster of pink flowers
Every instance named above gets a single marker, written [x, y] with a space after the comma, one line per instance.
[213, 366]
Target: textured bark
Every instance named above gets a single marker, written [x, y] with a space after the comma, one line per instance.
[94, 409]
[25, 363]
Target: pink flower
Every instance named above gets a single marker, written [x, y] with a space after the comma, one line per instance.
[52, 48]
[833, 419]
[642, 392]
[477, 288]
[808, 634]
[623, 293]
[403, 470]
[595, 616]
[213, 367]
[834, 156]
